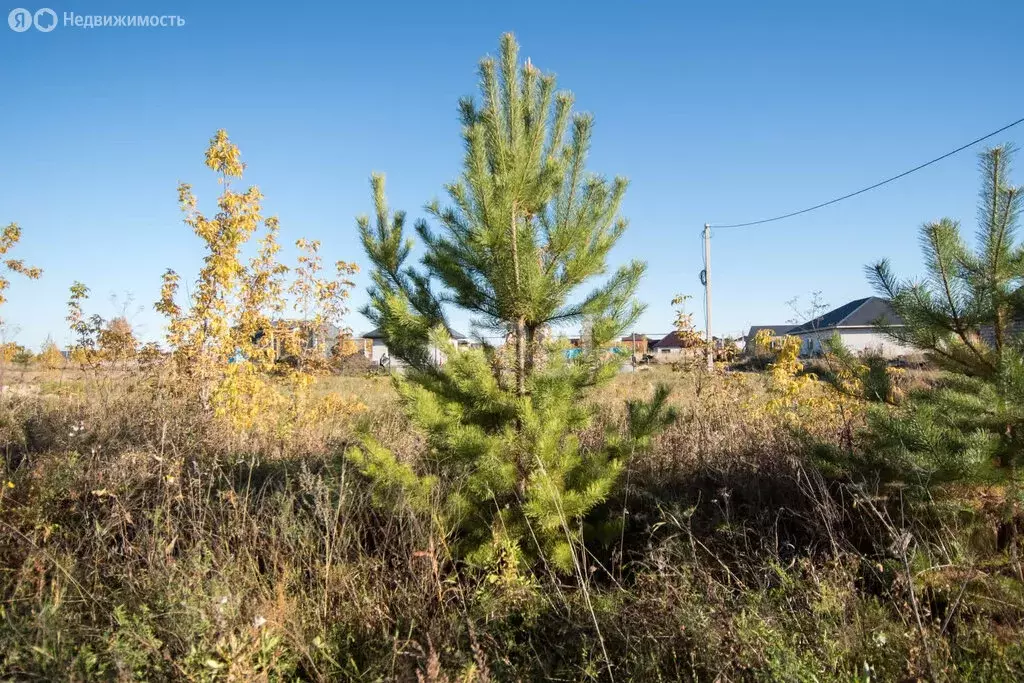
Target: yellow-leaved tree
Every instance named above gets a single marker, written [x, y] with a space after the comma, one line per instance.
[225, 339]
[83, 350]
[321, 303]
[686, 333]
[50, 355]
[9, 237]
[685, 329]
[117, 340]
[96, 339]
[203, 336]
[262, 298]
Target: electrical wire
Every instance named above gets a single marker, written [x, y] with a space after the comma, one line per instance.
[872, 187]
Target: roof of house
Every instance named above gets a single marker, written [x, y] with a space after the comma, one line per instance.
[865, 312]
[329, 331]
[779, 330]
[375, 333]
[669, 341]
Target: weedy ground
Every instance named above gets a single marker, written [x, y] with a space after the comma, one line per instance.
[141, 539]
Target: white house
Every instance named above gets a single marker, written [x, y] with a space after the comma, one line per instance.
[856, 323]
[379, 349]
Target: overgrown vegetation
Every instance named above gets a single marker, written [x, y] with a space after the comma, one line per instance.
[142, 543]
[225, 509]
[967, 316]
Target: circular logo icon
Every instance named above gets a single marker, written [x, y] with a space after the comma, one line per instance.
[20, 20]
[45, 20]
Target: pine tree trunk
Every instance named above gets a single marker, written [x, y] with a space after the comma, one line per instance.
[521, 356]
[1006, 532]
[531, 348]
[520, 321]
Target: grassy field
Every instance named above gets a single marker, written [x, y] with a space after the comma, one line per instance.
[142, 539]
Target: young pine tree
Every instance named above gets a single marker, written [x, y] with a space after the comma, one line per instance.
[967, 314]
[526, 228]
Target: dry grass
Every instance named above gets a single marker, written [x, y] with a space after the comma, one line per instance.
[139, 542]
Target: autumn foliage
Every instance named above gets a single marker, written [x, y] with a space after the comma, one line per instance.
[221, 507]
[228, 337]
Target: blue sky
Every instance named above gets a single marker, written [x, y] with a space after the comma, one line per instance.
[719, 112]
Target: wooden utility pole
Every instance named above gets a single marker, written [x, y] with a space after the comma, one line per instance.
[707, 295]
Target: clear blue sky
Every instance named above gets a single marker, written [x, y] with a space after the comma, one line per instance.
[716, 112]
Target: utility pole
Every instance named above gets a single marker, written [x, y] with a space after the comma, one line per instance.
[707, 295]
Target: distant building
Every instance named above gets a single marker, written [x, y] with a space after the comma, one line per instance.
[288, 335]
[778, 332]
[672, 347]
[856, 324]
[1014, 328]
[375, 347]
[635, 344]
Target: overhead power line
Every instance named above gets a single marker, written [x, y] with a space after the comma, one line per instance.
[871, 187]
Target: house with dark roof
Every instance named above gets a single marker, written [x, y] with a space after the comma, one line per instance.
[856, 323]
[673, 347]
[635, 344]
[777, 332]
[377, 348]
